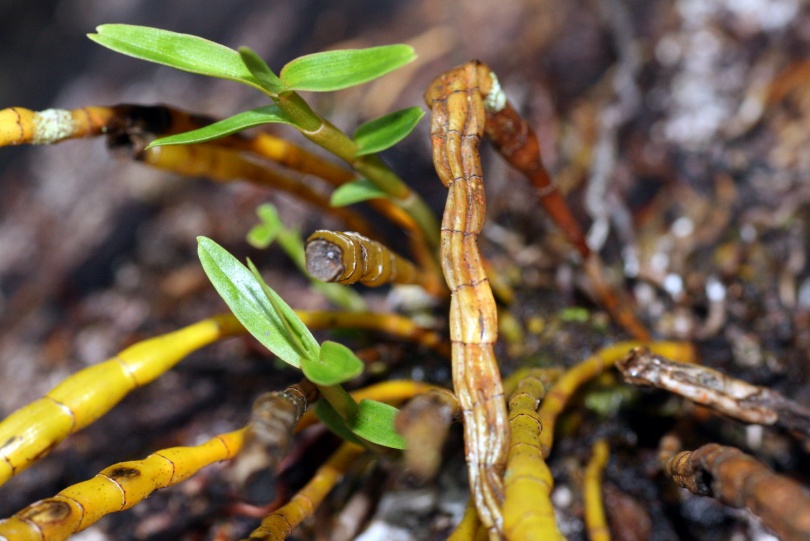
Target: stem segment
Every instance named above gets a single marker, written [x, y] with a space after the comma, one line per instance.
[340, 400]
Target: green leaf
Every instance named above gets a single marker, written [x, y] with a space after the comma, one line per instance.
[249, 301]
[262, 235]
[355, 192]
[268, 213]
[375, 422]
[261, 71]
[181, 51]
[574, 314]
[334, 422]
[336, 364]
[297, 333]
[268, 114]
[386, 131]
[334, 70]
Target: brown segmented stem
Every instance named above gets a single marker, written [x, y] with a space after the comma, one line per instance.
[740, 481]
[224, 164]
[269, 436]
[732, 397]
[346, 257]
[424, 422]
[456, 100]
[515, 139]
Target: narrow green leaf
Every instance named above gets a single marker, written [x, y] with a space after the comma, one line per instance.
[269, 114]
[249, 302]
[355, 192]
[386, 131]
[297, 333]
[261, 71]
[334, 70]
[181, 51]
[333, 421]
[375, 422]
[336, 364]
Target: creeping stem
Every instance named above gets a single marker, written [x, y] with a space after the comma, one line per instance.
[115, 488]
[457, 124]
[32, 431]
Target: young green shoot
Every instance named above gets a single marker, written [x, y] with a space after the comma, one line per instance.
[271, 229]
[276, 325]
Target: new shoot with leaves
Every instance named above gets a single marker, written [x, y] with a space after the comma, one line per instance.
[320, 72]
[273, 323]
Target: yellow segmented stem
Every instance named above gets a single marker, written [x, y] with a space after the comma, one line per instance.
[280, 523]
[393, 324]
[32, 431]
[558, 396]
[115, 488]
[595, 521]
[23, 126]
[227, 165]
[469, 525]
[19, 126]
[528, 513]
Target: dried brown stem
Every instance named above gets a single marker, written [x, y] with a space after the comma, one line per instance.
[517, 142]
[424, 423]
[732, 397]
[740, 481]
[272, 421]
